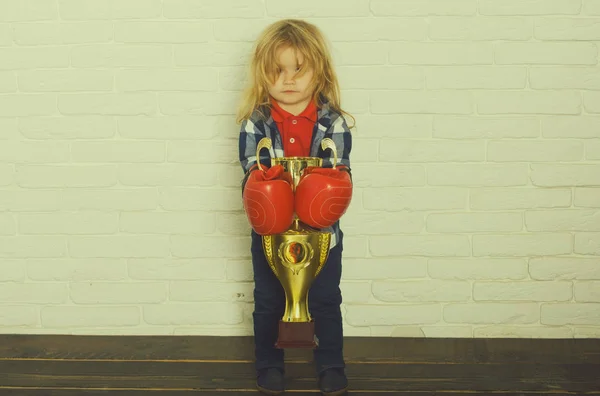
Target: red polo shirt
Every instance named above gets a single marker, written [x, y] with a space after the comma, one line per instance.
[296, 131]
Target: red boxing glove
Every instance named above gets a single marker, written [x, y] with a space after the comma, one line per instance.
[323, 196]
[269, 200]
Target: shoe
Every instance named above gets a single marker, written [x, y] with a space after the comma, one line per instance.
[333, 382]
[270, 381]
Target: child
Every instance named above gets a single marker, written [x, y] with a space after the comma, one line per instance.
[293, 99]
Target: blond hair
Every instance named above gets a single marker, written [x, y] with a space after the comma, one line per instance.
[308, 40]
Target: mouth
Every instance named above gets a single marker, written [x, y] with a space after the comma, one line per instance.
[289, 91]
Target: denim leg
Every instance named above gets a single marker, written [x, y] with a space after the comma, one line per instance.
[325, 298]
[269, 305]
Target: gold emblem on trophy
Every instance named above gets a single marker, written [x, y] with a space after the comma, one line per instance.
[296, 257]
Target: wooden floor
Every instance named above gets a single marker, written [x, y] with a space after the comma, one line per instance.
[36, 365]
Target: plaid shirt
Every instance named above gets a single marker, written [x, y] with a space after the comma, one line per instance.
[330, 124]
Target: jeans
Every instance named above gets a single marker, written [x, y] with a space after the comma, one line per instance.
[324, 299]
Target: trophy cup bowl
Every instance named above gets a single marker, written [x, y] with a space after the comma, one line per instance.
[296, 257]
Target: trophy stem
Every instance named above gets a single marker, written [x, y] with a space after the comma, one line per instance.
[296, 308]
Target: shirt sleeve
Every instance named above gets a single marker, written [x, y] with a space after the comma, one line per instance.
[250, 135]
[342, 137]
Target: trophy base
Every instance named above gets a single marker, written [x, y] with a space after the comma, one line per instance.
[297, 335]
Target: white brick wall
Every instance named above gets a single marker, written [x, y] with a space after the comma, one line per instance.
[476, 160]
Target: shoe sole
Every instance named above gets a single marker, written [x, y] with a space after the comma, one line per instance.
[266, 391]
[336, 393]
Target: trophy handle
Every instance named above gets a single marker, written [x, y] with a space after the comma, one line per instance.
[327, 143]
[264, 143]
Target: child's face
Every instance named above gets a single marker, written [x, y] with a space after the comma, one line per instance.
[292, 88]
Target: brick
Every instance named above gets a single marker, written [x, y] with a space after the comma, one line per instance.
[65, 80]
[118, 292]
[198, 152]
[175, 127]
[192, 103]
[22, 58]
[109, 9]
[441, 53]
[385, 269]
[167, 175]
[212, 54]
[477, 268]
[23, 246]
[7, 174]
[8, 225]
[522, 291]
[522, 244]
[6, 35]
[390, 315]
[372, 77]
[373, 223]
[167, 223]
[374, 54]
[316, 8]
[107, 103]
[370, 29]
[447, 331]
[50, 293]
[586, 332]
[422, 102]
[492, 313]
[480, 28]
[24, 105]
[20, 151]
[72, 127]
[79, 223]
[423, 7]
[591, 102]
[396, 150]
[121, 55]
[474, 222]
[203, 291]
[58, 33]
[587, 243]
[562, 220]
[530, 332]
[9, 128]
[472, 175]
[529, 7]
[478, 77]
[571, 127]
[570, 314]
[592, 150]
[115, 199]
[398, 199]
[528, 102]
[8, 82]
[204, 313]
[420, 245]
[118, 151]
[122, 246]
[191, 246]
[587, 197]
[66, 269]
[162, 32]
[422, 290]
[564, 268]
[356, 292]
[19, 315]
[12, 270]
[233, 224]
[201, 199]
[564, 78]
[194, 9]
[405, 125]
[356, 247]
[587, 291]
[164, 269]
[29, 200]
[179, 80]
[60, 176]
[534, 151]
[240, 29]
[28, 10]
[85, 316]
[559, 175]
[356, 102]
[229, 176]
[240, 270]
[389, 175]
[519, 198]
[469, 127]
[568, 29]
[233, 78]
[591, 7]
[545, 53]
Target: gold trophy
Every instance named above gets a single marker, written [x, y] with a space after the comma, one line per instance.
[296, 257]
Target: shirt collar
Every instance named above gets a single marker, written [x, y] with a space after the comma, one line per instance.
[280, 115]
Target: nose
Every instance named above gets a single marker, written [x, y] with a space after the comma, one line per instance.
[288, 77]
